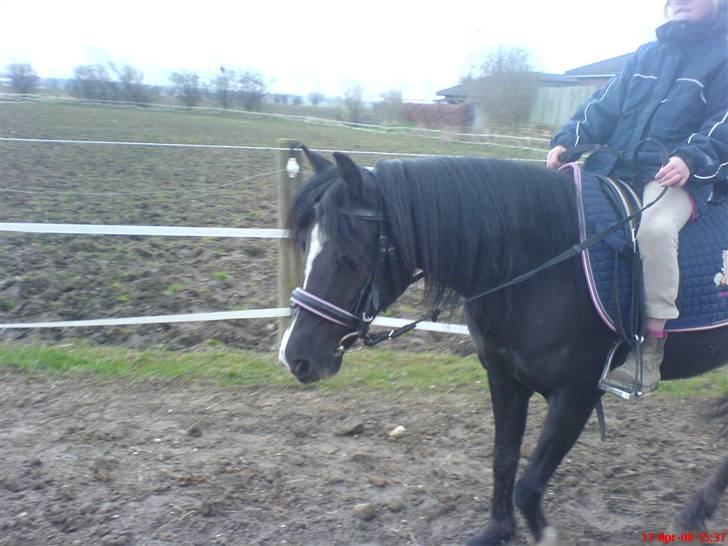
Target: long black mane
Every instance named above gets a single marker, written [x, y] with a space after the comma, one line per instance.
[470, 223]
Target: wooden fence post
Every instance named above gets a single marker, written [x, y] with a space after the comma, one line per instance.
[290, 261]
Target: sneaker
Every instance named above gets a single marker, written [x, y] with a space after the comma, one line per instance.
[625, 376]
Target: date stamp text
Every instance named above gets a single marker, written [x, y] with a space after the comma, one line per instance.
[703, 537]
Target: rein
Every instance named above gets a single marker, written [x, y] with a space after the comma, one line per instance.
[594, 239]
[367, 305]
[569, 253]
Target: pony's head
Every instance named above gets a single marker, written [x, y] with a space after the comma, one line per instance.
[339, 220]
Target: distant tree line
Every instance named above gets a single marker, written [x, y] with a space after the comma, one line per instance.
[23, 78]
[229, 88]
[110, 82]
[504, 88]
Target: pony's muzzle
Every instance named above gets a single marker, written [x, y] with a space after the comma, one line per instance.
[302, 369]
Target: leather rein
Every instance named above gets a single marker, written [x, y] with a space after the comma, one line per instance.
[368, 305]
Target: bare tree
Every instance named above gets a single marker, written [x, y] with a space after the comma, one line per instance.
[316, 98]
[23, 78]
[508, 86]
[186, 88]
[506, 59]
[131, 86]
[252, 90]
[92, 81]
[389, 108]
[225, 86]
[354, 103]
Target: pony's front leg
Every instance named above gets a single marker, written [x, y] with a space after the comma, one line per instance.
[569, 410]
[510, 409]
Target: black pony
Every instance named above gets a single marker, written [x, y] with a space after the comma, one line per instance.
[468, 224]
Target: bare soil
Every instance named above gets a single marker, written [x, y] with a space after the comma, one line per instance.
[75, 277]
[90, 461]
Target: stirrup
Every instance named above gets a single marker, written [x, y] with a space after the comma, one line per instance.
[619, 390]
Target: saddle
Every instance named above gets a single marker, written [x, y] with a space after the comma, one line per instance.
[612, 265]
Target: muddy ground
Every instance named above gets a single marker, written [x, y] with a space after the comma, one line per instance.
[89, 461]
[74, 277]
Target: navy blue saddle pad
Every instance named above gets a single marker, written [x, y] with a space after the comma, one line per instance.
[703, 256]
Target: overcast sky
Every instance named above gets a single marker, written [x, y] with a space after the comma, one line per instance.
[321, 45]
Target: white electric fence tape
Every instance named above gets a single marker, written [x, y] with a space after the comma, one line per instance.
[181, 231]
[223, 315]
[161, 231]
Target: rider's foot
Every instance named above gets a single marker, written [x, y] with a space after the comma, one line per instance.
[625, 376]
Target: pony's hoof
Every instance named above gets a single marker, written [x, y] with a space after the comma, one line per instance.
[550, 537]
[491, 538]
[683, 524]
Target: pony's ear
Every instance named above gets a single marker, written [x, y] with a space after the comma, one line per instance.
[350, 172]
[317, 161]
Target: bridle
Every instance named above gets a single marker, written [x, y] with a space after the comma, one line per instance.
[368, 303]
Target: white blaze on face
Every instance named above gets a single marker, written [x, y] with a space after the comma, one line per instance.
[314, 249]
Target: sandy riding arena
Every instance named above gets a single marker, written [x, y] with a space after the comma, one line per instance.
[93, 461]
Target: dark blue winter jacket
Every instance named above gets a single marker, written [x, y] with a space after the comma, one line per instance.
[674, 90]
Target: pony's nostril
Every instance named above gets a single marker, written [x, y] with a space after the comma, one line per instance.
[300, 367]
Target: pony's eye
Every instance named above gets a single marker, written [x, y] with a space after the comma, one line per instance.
[348, 262]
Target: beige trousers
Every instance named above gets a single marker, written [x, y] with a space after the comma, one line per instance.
[658, 243]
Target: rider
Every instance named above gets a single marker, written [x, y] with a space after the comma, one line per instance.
[676, 91]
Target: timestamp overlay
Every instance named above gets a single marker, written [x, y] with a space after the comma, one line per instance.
[698, 537]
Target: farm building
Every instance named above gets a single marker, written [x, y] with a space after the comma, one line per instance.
[557, 96]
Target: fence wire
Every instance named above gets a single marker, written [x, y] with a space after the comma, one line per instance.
[216, 232]
[231, 147]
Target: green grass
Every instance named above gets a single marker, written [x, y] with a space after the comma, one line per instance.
[373, 369]
[376, 370]
[173, 288]
[711, 384]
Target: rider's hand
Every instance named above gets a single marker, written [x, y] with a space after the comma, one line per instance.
[552, 159]
[675, 173]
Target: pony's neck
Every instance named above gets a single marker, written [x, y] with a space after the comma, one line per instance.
[471, 224]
